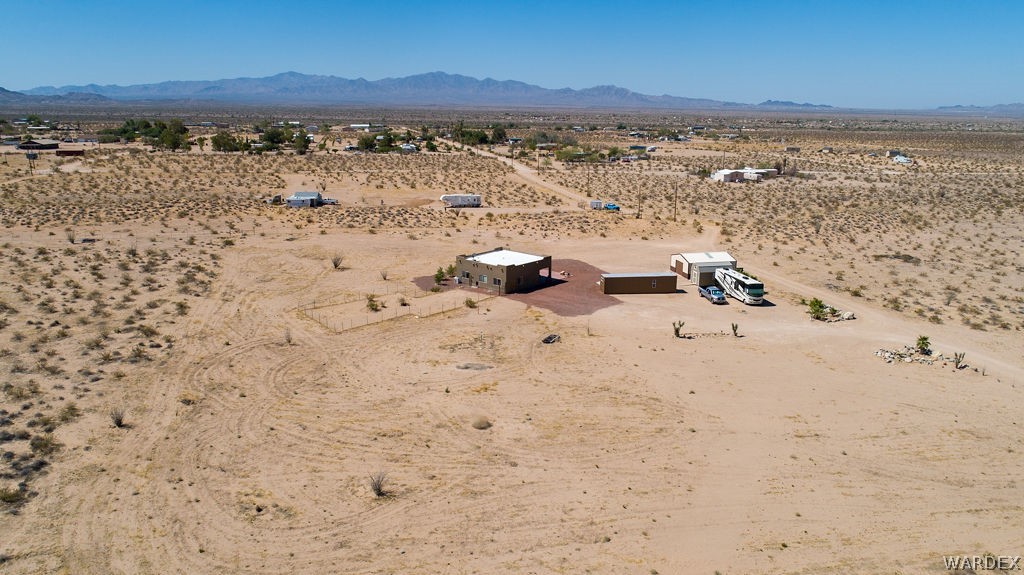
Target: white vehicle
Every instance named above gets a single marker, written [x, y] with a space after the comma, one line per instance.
[746, 289]
[461, 200]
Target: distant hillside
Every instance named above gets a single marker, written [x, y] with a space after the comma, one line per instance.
[423, 90]
[73, 97]
[785, 104]
[433, 89]
[1002, 110]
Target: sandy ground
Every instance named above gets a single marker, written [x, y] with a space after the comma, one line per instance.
[791, 448]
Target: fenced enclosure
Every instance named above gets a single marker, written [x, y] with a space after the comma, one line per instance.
[351, 311]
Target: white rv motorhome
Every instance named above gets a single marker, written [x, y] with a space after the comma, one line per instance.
[746, 289]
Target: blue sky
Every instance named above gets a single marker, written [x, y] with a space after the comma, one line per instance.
[856, 53]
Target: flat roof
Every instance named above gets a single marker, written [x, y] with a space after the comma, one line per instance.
[504, 258]
[641, 275]
[708, 257]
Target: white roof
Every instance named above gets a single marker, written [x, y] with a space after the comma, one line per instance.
[708, 257]
[505, 258]
[641, 275]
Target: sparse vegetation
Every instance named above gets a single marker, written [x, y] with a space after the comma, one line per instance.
[377, 484]
[117, 417]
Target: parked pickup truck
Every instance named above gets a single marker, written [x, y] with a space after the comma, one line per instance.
[330, 201]
[713, 294]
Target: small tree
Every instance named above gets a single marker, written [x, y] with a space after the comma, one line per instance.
[450, 270]
[922, 345]
[735, 330]
[439, 276]
[677, 327]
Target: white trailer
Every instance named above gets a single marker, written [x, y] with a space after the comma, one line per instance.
[699, 267]
[596, 204]
[461, 200]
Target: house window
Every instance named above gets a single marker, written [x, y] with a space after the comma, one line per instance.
[466, 275]
[654, 283]
[497, 281]
[483, 278]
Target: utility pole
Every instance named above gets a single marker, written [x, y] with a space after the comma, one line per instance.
[639, 203]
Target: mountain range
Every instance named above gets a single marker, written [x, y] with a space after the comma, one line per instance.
[434, 89]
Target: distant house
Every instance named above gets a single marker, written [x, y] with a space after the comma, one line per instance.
[892, 153]
[408, 148]
[39, 144]
[727, 176]
[65, 153]
[747, 174]
[826, 150]
[304, 200]
[793, 149]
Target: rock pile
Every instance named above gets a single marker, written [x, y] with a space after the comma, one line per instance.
[912, 355]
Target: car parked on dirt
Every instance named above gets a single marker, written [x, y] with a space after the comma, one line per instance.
[551, 338]
[712, 293]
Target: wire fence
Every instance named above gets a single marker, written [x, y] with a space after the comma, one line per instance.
[338, 321]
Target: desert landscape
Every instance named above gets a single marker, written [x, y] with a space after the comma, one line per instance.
[196, 380]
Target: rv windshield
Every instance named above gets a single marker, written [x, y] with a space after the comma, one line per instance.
[756, 290]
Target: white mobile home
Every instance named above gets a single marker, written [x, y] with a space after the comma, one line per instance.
[728, 176]
[461, 200]
[699, 267]
[304, 200]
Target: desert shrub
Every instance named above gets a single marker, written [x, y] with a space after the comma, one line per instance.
[817, 309]
[11, 496]
[923, 345]
[43, 444]
[371, 302]
[377, 481]
[117, 417]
